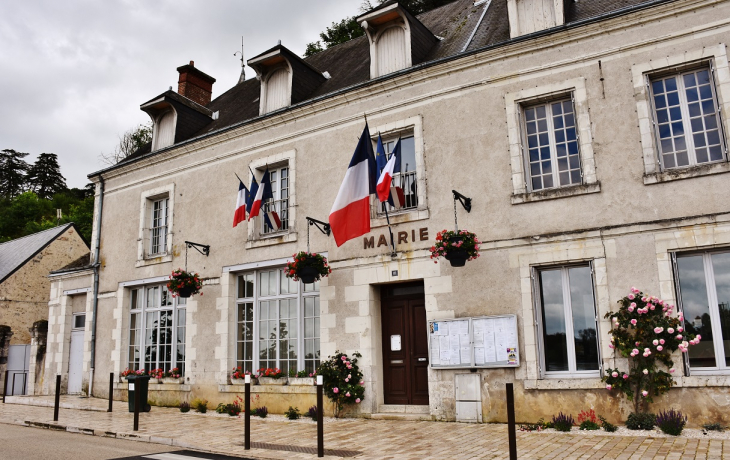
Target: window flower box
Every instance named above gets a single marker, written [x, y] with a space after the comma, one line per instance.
[301, 381]
[170, 380]
[272, 381]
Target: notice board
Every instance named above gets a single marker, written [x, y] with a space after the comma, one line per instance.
[484, 341]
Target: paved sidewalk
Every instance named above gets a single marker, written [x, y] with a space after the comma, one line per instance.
[363, 439]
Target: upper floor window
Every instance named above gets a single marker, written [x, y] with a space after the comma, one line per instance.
[687, 119]
[552, 152]
[279, 203]
[156, 329]
[277, 322]
[391, 50]
[163, 133]
[405, 180]
[278, 91]
[158, 226]
[704, 298]
[567, 322]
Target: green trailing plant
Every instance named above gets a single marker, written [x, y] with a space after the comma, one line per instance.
[562, 422]
[220, 408]
[606, 425]
[200, 405]
[588, 420]
[713, 427]
[184, 407]
[545, 424]
[292, 413]
[343, 382]
[671, 422]
[646, 332]
[641, 421]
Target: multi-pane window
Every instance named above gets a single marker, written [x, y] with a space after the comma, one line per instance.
[567, 318]
[687, 119]
[280, 203]
[552, 154]
[704, 293]
[405, 178]
[158, 227]
[278, 322]
[156, 329]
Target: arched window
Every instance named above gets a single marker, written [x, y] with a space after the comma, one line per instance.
[391, 50]
[164, 134]
[277, 90]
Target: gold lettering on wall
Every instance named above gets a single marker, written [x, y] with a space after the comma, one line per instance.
[368, 242]
[382, 241]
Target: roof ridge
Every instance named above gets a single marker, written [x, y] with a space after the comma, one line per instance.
[38, 233]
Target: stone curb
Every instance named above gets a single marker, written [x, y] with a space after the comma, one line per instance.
[121, 435]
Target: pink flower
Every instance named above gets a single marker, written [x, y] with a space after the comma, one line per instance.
[347, 394]
[661, 341]
[610, 345]
[679, 336]
[347, 380]
[632, 297]
[637, 343]
[698, 338]
[645, 371]
[633, 321]
[626, 376]
[362, 382]
[635, 351]
[357, 400]
[608, 387]
[644, 393]
[344, 358]
[655, 342]
[652, 307]
[614, 374]
[670, 330]
[335, 390]
[659, 348]
[680, 329]
[634, 290]
[658, 330]
[671, 371]
[631, 309]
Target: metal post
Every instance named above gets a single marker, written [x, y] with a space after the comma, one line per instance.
[111, 390]
[320, 423]
[511, 422]
[247, 417]
[5, 385]
[58, 398]
[136, 405]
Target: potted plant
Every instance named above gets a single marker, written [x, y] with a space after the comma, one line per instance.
[157, 374]
[184, 284]
[172, 376]
[271, 376]
[456, 246]
[127, 372]
[238, 376]
[307, 266]
[303, 378]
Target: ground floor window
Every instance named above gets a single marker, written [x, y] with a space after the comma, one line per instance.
[567, 322]
[277, 322]
[704, 293]
[156, 329]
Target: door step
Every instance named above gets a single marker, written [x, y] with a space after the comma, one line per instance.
[402, 412]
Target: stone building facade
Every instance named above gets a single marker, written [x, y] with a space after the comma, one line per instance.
[570, 131]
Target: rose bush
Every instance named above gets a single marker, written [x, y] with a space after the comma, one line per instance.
[343, 382]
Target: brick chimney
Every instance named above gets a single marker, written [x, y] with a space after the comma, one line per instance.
[194, 84]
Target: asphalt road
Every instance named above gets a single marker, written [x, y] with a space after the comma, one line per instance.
[22, 443]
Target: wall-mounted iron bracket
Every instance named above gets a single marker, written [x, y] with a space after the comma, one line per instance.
[323, 227]
[465, 201]
[201, 248]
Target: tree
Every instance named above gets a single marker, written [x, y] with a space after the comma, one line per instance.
[313, 48]
[645, 332]
[13, 171]
[44, 177]
[129, 142]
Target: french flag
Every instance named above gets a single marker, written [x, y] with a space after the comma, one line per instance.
[271, 218]
[350, 215]
[241, 200]
[257, 195]
[386, 176]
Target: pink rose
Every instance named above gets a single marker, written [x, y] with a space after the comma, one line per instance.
[659, 348]
[680, 329]
[671, 371]
[614, 374]
[357, 400]
[661, 341]
[635, 351]
[608, 387]
[644, 393]
[632, 296]
[335, 390]
[655, 342]
[631, 309]
[626, 376]
[645, 371]
[670, 330]
[698, 338]
[362, 382]
[633, 321]
[347, 380]
[658, 330]
[347, 394]
[679, 336]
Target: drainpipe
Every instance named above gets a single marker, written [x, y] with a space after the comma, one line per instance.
[96, 284]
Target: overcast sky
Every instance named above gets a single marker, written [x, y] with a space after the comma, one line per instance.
[73, 73]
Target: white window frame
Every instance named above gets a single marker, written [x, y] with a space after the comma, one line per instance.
[256, 238]
[159, 210]
[572, 371]
[141, 309]
[144, 239]
[515, 104]
[388, 145]
[412, 126]
[716, 55]
[276, 189]
[714, 311]
[300, 295]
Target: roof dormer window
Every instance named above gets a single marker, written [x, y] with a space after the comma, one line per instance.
[286, 78]
[397, 39]
[163, 131]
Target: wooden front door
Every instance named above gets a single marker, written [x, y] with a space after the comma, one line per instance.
[405, 345]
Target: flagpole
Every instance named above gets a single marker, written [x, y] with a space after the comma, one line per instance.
[392, 242]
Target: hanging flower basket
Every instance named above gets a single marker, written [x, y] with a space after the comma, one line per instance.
[184, 284]
[308, 267]
[455, 246]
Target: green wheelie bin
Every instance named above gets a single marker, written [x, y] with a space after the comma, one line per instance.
[138, 383]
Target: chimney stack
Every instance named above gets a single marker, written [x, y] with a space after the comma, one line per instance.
[194, 84]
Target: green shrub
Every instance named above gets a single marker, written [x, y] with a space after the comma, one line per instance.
[713, 427]
[588, 425]
[671, 422]
[563, 422]
[184, 407]
[200, 405]
[221, 408]
[610, 427]
[641, 421]
[292, 413]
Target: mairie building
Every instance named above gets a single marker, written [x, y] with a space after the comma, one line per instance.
[591, 138]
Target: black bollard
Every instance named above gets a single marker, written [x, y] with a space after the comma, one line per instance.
[5, 385]
[136, 405]
[511, 422]
[320, 421]
[111, 390]
[58, 398]
[247, 408]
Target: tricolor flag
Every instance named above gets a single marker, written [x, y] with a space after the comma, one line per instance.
[251, 195]
[386, 175]
[271, 218]
[350, 215]
[241, 200]
[257, 196]
[397, 197]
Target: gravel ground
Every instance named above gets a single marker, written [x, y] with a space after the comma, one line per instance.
[655, 433]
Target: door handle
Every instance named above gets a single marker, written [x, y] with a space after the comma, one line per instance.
[422, 359]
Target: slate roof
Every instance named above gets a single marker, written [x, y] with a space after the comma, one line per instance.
[15, 253]
[462, 28]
